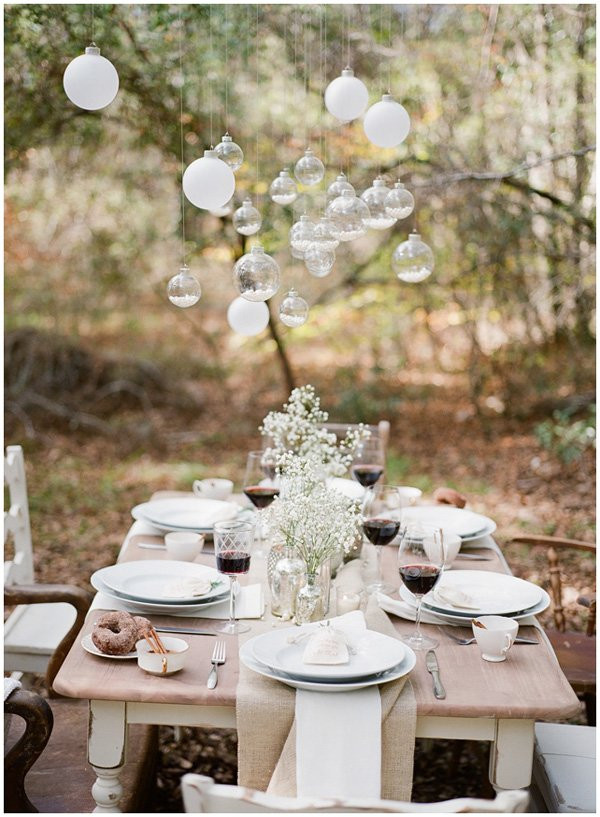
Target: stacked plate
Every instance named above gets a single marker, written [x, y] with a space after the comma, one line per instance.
[162, 586]
[185, 513]
[375, 659]
[468, 525]
[461, 595]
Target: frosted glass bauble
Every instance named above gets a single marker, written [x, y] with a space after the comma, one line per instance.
[229, 152]
[375, 198]
[325, 236]
[302, 234]
[293, 310]
[256, 275]
[309, 169]
[90, 81]
[399, 202]
[348, 213]
[386, 123]
[337, 187]
[246, 219]
[247, 318]
[208, 182]
[319, 262]
[283, 189]
[413, 261]
[346, 97]
[183, 290]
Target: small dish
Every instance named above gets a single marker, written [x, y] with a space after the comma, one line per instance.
[157, 664]
[89, 646]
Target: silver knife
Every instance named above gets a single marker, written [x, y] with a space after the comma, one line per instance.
[187, 631]
[433, 667]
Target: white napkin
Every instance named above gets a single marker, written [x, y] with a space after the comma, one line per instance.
[455, 597]
[403, 609]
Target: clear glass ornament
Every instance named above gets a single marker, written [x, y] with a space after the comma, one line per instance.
[297, 254]
[309, 169]
[283, 189]
[399, 202]
[229, 152]
[319, 262]
[337, 187]
[256, 275]
[348, 214]
[413, 261]
[293, 310]
[374, 198]
[183, 290]
[325, 235]
[302, 234]
[246, 219]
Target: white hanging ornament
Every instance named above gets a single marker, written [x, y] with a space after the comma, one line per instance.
[90, 81]
[183, 290]
[229, 152]
[325, 236]
[301, 234]
[247, 318]
[348, 214]
[375, 198]
[413, 261]
[319, 262]
[346, 97]
[246, 219]
[399, 202]
[337, 187]
[309, 169]
[283, 189]
[386, 123]
[208, 182]
[293, 311]
[256, 275]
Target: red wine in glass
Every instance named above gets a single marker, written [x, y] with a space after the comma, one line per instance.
[420, 579]
[233, 562]
[381, 531]
[261, 496]
[367, 475]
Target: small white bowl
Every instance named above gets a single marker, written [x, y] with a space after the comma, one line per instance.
[157, 664]
[183, 546]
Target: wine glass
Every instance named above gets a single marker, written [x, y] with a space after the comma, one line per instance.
[381, 522]
[233, 541]
[420, 562]
[369, 462]
[261, 487]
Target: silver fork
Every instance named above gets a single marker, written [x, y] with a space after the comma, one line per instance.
[218, 658]
[464, 641]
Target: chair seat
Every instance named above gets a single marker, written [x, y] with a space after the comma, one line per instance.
[576, 653]
[61, 779]
[564, 767]
[32, 633]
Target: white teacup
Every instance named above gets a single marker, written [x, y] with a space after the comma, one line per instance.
[497, 638]
[213, 488]
[409, 496]
[183, 546]
[157, 664]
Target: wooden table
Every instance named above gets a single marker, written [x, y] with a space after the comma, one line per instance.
[495, 702]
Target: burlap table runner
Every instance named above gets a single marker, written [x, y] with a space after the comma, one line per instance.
[266, 728]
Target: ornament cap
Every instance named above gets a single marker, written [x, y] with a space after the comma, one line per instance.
[304, 218]
[292, 292]
[387, 98]
[184, 269]
[399, 186]
[347, 72]
[246, 201]
[211, 154]
[379, 182]
[341, 177]
[93, 49]
[226, 138]
[285, 172]
[257, 248]
[309, 152]
[414, 237]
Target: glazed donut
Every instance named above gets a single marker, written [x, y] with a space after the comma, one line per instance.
[115, 633]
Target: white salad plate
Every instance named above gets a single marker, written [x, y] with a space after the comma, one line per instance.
[371, 653]
[399, 671]
[185, 513]
[149, 580]
[152, 607]
[89, 646]
[466, 524]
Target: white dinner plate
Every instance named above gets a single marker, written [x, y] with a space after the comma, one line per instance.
[460, 618]
[89, 646]
[147, 580]
[491, 593]
[136, 607]
[457, 520]
[185, 513]
[373, 653]
[403, 668]
[347, 487]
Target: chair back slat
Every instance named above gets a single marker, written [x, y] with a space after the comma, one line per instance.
[19, 569]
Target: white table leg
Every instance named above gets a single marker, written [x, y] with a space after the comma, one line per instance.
[511, 755]
[107, 738]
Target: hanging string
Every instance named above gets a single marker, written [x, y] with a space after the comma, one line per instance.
[390, 48]
[305, 67]
[348, 35]
[321, 82]
[210, 89]
[257, 96]
[226, 69]
[181, 81]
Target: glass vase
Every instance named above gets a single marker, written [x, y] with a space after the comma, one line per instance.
[310, 602]
[275, 554]
[286, 579]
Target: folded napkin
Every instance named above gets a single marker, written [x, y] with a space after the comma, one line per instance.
[455, 597]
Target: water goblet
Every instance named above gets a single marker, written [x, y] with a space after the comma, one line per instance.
[233, 541]
[420, 562]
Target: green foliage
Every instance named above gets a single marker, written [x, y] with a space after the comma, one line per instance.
[565, 438]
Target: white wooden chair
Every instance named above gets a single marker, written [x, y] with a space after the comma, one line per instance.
[564, 768]
[31, 632]
[201, 795]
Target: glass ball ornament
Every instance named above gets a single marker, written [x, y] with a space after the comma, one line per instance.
[302, 234]
[319, 262]
[337, 187]
[91, 81]
[348, 214]
[229, 152]
[283, 189]
[183, 290]
[326, 235]
[299, 254]
[256, 275]
[247, 318]
[346, 97]
[386, 123]
[293, 310]
[309, 169]
[399, 202]
[375, 198]
[413, 261]
[208, 182]
[246, 219]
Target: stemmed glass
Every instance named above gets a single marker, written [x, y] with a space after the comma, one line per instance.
[233, 541]
[369, 462]
[420, 562]
[381, 522]
[261, 487]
